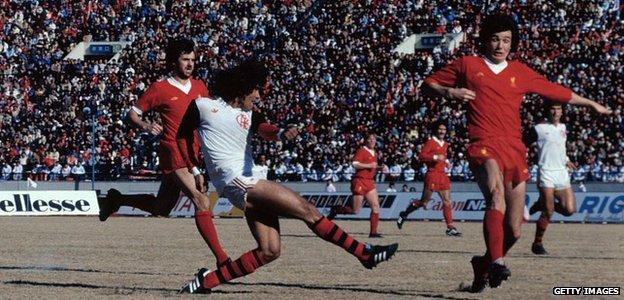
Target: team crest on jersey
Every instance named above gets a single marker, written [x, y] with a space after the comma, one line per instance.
[512, 81]
[480, 74]
[484, 152]
[173, 99]
[243, 121]
[215, 110]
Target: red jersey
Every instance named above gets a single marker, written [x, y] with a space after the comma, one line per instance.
[431, 148]
[495, 111]
[365, 156]
[171, 102]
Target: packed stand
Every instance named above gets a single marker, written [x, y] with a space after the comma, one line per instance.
[333, 73]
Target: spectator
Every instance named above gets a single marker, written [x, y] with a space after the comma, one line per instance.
[78, 172]
[391, 188]
[330, 187]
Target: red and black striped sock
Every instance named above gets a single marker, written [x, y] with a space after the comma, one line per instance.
[205, 226]
[541, 225]
[330, 232]
[374, 221]
[246, 264]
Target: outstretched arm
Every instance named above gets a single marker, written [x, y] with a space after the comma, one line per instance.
[270, 132]
[582, 101]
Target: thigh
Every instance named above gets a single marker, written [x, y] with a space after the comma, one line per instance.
[490, 181]
[566, 198]
[445, 195]
[372, 197]
[426, 195]
[273, 197]
[265, 229]
[357, 202]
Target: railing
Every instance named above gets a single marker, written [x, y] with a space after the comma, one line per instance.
[149, 175]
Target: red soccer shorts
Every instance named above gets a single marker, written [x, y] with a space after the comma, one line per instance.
[170, 158]
[510, 155]
[361, 187]
[436, 181]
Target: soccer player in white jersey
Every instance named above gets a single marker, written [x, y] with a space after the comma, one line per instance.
[553, 179]
[226, 124]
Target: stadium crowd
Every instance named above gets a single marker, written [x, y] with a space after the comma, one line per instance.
[333, 72]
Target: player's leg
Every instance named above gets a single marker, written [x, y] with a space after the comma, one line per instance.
[357, 202]
[372, 197]
[567, 201]
[547, 200]
[447, 212]
[490, 181]
[265, 228]
[514, 198]
[271, 196]
[167, 191]
[414, 205]
[203, 215]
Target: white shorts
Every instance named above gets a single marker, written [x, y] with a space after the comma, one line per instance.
[557, 179]
[236, 191]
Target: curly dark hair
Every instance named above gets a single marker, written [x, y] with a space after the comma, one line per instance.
[498, 23]
[175, 49]
[435, 125]
[239, 81]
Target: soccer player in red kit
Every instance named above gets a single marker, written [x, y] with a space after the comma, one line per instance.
[493, 89]
[171, 97]
[363, 185]
[434, 155]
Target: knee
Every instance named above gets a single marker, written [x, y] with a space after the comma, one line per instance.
[498, 196]
[201, 201]
[270, 253]
[311, 214]
[568, 211]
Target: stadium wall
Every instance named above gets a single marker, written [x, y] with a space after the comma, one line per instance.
[595, 206]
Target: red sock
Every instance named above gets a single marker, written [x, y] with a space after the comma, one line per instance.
[330, 232]
[493, 233]
[448, 215]
[246, 264]
[203, 220]
[344, 210]
[374, 221]
[541, 225]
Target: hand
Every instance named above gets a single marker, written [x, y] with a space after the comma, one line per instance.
[374, 165]
[461, 94]
[441, 157]
[599, 108]
[291, 132]
[200, 184]
[571, 165]
[153, 128]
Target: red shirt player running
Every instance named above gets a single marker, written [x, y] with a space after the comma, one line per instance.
[494, 89]
[363, 185]
[171, 98]
[434, 155]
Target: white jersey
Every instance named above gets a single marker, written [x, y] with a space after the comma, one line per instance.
[225, 139]
[551, 143]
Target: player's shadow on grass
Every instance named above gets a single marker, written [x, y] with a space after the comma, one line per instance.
[564, 257]
[107, 287]
[427, 294]
[433, 251]
[64, 269]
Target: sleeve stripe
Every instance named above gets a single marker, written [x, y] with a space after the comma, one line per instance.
[137, 110]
